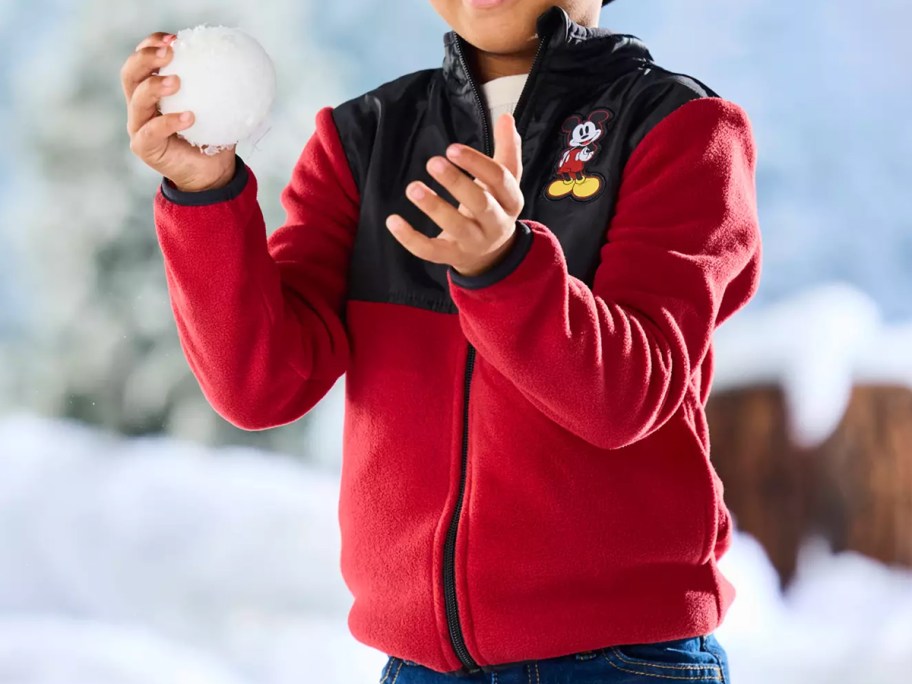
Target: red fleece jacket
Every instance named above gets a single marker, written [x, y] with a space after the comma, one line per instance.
[589, 489]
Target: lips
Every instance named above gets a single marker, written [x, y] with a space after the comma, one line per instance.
[484, 4]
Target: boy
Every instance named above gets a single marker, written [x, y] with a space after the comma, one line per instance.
[524, 315]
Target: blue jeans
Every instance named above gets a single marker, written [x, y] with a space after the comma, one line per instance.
[697, 659]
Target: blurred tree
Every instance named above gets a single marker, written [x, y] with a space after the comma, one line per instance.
[101, 344]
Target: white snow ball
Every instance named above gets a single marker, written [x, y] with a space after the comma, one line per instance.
[227, 80]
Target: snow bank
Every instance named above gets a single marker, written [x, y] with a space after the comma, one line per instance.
[231, 551]
[846, 619]
[62, 650]
[130, 528]
[155, 561]
[815, 346]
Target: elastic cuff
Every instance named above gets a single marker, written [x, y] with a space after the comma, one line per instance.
[502, 268]
[198, 199]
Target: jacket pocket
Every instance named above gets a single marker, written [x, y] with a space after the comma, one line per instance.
[391, 670]
[675, 660]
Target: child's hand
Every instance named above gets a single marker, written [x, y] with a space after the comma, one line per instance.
[153, 135]
[481, 231]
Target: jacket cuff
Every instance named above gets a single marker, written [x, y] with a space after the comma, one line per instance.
[198, 199]
[503, 268]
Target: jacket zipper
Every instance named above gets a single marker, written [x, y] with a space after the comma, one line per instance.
[449, 548]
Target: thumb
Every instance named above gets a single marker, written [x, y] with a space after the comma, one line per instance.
[508, 144]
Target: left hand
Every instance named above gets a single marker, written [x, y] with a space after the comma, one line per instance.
[478, 233]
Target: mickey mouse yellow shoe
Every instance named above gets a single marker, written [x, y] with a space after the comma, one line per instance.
[587, 187]
[560, 188]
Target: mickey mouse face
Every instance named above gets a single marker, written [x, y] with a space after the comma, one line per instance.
[581, 133]
[584, 134]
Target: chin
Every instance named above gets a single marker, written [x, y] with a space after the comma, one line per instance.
[508, 27]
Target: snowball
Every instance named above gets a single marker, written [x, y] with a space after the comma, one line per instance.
[226, 79]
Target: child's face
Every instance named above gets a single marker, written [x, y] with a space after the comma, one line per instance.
[508, 26]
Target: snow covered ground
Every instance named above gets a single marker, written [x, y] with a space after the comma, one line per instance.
[153, 561]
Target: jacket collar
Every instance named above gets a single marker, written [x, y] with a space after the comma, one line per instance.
[566, 47]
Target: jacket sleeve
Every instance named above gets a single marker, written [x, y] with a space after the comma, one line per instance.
[261, 319]
[613, 363]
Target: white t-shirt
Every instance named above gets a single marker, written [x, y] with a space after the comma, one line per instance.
[501, 94]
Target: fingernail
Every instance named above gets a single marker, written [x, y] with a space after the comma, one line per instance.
[391, 222]
[415, 191]
[169, 38]
[454, 150]
[437, 165]
[161, 52]
[168, 81]
[185, 116]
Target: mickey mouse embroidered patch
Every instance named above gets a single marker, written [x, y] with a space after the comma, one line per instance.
[570, 179]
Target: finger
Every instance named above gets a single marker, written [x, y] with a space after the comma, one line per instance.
[151, 141]
[442, 212]
[480, 204]
[499, 181]
[144, 104]
[508, 145]
[436, 250]
[156, 39]
[142, 64]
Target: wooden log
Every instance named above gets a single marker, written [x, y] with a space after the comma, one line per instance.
[864, 497]
[765, 476]
[855, 488]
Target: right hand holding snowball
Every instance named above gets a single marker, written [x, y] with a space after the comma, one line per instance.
[228, 81]
[153, 136]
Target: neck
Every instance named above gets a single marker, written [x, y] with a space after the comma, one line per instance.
[491, 65]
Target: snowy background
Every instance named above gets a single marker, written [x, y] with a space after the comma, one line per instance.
[145, 540]
[153, 561]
